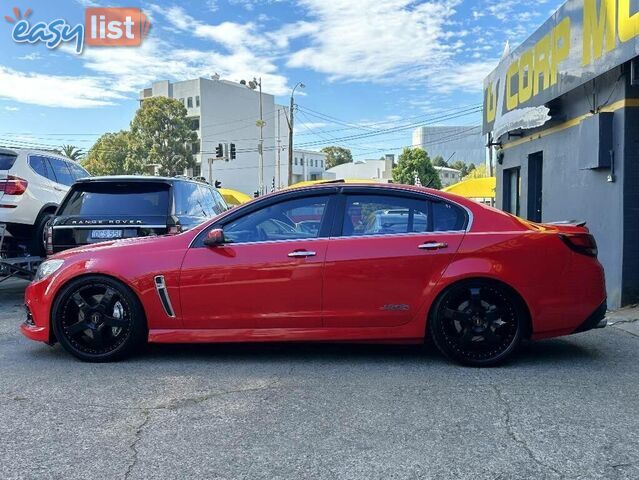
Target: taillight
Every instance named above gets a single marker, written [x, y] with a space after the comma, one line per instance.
[583, 243]
[13, 185]
[49, 241]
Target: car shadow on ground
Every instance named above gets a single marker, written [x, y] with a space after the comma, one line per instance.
[567, 350]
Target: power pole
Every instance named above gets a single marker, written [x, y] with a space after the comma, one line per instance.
[279, 148]
[261, 142]
[291, 123]
[290, 142]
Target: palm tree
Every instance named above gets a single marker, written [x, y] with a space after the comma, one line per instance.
[72, 152]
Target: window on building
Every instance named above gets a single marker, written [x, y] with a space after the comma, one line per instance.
[197, 100]
[295, 160]
[511, 190]
[195, 147]
[195, 123]
[189, 102]
[302, 162]
[197, 171]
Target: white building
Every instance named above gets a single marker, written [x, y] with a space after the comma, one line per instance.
[227, 112]
[452, 143]
[448, 176]
[308, 165]
[382, 171]
[378, 170]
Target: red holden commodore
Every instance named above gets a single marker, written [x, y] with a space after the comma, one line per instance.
[334, 262]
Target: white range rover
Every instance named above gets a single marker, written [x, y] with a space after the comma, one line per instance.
[32, 186]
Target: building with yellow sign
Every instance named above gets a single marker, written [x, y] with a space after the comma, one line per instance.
[562, 112]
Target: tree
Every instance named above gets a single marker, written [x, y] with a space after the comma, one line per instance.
[72, 152]
[461, 166]
[439, 161]
[161, 134]
[479, 172]
[415, 161]
[336, 156]
[111, 155]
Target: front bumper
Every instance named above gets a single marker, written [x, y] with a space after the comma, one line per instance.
[596, 320]
[36, 324]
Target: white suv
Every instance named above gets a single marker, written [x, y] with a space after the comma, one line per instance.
[32, 185]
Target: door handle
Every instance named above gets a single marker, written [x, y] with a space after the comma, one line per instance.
[301, 254]
[433, 246]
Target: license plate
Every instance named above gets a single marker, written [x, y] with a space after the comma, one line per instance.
[106, 234]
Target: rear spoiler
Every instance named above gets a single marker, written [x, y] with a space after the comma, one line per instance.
[576, 223]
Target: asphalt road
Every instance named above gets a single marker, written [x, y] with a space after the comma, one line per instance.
[566, 408]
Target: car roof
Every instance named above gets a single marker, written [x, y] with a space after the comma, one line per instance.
[138, 178]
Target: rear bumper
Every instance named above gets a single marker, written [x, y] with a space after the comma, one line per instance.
[596, 320]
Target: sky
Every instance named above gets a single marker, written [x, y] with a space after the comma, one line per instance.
[368, 65]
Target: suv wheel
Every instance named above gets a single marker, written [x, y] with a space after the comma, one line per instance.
[38, 244]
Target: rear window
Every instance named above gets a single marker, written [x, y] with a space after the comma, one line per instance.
[7, 160]
[118, 199]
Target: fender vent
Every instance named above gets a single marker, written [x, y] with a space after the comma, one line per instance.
[160, 286]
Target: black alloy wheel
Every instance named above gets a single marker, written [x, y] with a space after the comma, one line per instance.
[97, 319]
[477, 323]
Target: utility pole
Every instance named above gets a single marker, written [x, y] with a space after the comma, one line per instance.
[290, 142]
[261, 123]
[291, 123]
[279, 150]
[253, 84]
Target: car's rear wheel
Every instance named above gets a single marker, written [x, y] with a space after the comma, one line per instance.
[98, 319]
[478, 323]
[38, 244]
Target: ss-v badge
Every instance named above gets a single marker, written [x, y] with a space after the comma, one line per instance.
[391, 307]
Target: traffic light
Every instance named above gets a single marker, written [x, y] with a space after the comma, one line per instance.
[219, 150]
[232, 151]
[218, 184]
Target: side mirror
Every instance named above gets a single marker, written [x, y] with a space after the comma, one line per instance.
[214, 238]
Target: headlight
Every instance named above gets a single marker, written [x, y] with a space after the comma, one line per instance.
[46, 268]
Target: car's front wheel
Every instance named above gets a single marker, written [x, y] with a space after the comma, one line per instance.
[98, 319]
[478, 323]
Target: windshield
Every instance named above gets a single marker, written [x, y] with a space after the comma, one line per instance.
[118, 199]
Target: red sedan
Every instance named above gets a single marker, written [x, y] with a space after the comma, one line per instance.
[337, 262]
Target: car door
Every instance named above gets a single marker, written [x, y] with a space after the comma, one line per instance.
[63, 178]
[267, 275]
[41, 184]
[386, 256]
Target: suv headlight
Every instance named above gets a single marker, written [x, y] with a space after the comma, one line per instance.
[47, 268]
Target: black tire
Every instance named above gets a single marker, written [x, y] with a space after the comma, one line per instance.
[478, 323]
[38, 242]
[98, 319]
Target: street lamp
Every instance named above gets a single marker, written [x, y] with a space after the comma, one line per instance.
[290, 133]
[253, 84]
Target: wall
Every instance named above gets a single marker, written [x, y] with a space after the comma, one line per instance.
[570, 193]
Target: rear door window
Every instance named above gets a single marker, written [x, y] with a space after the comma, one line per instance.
[113, 199]
[219, 205]
[39, 165]
[7, 160]
[61, 170]
[384, 215]
[188, 200]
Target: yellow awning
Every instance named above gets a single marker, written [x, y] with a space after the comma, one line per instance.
[474, 188]
[233, 197]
